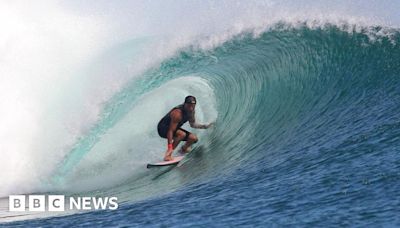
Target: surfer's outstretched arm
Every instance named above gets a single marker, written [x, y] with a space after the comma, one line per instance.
[193, 124]
[201, 126]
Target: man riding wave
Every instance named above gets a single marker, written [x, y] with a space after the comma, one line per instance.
[170, 125]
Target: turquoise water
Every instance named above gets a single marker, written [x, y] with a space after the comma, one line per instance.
[307, 133]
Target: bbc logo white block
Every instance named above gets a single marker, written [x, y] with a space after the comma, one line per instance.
[16, 203]
[56, 202]
[37, 203]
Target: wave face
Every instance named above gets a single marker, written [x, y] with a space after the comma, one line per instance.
[304, 116]
[307, 128]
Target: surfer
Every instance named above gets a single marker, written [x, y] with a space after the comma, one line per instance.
[170, 125]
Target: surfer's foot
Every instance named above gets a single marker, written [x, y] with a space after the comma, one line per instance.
[168, 158]
[184, 151]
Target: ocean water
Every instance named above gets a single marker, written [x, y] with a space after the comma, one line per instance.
[305, 99]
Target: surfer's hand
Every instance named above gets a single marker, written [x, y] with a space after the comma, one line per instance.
[168, 155]
[209, 125]
[169, 151]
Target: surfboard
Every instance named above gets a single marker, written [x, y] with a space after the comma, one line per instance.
[176, 160]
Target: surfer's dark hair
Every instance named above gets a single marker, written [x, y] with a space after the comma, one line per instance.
[190, 100]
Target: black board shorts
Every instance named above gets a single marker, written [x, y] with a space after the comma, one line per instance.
[163, 130]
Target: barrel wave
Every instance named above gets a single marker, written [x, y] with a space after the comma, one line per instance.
[307, 128]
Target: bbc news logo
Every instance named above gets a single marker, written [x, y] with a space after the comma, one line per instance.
[59, 203]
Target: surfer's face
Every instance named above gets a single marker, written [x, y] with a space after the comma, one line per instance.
[189, 107]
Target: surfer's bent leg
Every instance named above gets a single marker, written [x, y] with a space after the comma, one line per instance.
[192, 138]
[178, 137]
